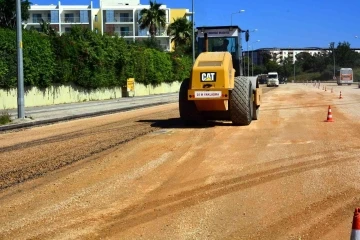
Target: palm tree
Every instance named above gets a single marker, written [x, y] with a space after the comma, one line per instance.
[152, 18]
[181, 31]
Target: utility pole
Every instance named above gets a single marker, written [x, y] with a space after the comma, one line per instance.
[294, 70]
[252, 57]
[193, 32]
[20, 90]
[334, 62]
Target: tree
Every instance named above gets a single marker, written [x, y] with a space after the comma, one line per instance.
[152, 18]
[266, 57]
[272, 66]
[46, 28]
[8, 12]
[286, 67]
[149, 43]
[344, 56]
[180, 31]
[306, 61]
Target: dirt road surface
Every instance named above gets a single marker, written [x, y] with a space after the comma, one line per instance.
[142, 175]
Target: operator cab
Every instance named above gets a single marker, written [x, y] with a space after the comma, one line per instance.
[220, 39]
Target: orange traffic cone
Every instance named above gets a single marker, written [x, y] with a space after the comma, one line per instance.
[355, 232]
[329, 116]
[340, 95]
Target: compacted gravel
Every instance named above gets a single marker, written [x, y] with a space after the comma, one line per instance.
[143, 175]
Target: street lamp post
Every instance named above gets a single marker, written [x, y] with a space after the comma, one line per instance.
[241, 11]
[332, 46]
[248, 70]
[294, 69]
[20, 90]
[193, 32]
[252, 57]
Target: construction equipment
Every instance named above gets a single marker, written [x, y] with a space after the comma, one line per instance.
[217, 89]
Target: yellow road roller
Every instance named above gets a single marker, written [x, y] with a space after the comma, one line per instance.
[217, 89]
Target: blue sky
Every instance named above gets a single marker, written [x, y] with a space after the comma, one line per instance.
[280, 23]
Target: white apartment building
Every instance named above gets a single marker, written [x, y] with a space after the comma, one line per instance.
[114, 17]
[282, 53]
[121, 17]
[61, 17]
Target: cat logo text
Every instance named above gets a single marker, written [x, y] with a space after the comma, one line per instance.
[208, 76]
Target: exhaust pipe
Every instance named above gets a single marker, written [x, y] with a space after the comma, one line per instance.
[206, 42]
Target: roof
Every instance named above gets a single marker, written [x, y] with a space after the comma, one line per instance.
[219, 27]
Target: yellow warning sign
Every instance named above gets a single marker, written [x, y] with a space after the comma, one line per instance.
[130, 84]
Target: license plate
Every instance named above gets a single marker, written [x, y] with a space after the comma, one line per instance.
[207, 94]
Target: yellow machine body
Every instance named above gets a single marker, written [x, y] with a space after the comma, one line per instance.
[212, 78]
[217, 89]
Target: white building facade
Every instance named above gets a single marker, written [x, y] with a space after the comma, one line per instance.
[281, 54]
[115, 17]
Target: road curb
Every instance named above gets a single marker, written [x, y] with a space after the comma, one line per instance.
[78, 116]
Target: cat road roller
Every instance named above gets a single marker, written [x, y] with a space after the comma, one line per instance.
[217, 89]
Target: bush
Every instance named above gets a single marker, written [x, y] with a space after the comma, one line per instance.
[38, 59]
[181, 67]
[5, 118]
[88, 60]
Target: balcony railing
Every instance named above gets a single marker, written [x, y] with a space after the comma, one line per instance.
[145, 34]
[124, 33]
[72, 20]
[39, 20]
[121, 20]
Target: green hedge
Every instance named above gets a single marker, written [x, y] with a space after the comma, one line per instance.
[86, 59]
[38, 59]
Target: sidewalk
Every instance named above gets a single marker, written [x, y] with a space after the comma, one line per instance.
[55, 113]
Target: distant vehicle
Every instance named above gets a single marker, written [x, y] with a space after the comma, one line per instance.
[283, 80]
[273, 79]
[346, 76]
[262, 78]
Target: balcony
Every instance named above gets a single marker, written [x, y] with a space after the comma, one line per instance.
[120, 20]
[124, 19]
[72, 20]
[39, 20]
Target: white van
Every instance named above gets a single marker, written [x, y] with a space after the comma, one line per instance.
[273, 79]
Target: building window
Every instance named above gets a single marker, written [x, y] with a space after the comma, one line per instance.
[37, 18]
[69, 17]
[96, 18]
[124, 17]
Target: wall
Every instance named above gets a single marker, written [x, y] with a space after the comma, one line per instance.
[142, 90]
[71, 94]
[174, 14]
[97, 25]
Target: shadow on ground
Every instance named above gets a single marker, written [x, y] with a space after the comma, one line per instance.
[177, 123]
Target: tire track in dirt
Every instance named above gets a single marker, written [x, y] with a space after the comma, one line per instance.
[141, 213]
[315, 212]
[68, 148]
